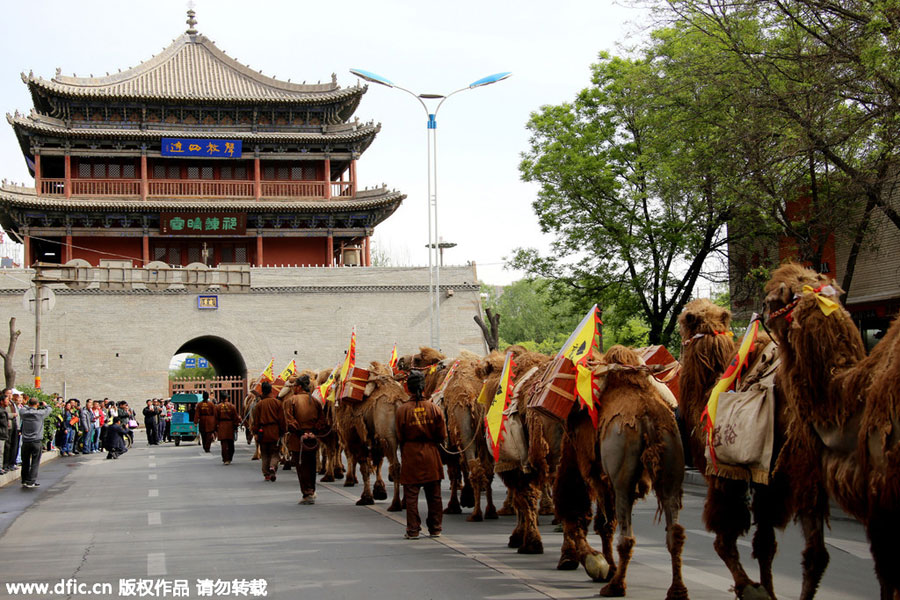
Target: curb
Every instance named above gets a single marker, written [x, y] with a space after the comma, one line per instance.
[46, 456]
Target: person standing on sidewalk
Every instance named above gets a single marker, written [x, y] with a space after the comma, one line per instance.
[420, 429]
[11, 445]
[4, 423]
[32, 416]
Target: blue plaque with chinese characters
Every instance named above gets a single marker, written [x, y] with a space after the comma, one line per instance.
[207, 302]
[202, 363]
[190, 363]
[196, 147]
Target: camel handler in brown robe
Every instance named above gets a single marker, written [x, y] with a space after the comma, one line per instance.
[226, 425]
[268, 418]
[305, 420]
[420, 429]
[205, 417]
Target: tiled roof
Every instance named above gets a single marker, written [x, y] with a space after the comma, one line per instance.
[193, 68]
[24, 197]
[345, 132]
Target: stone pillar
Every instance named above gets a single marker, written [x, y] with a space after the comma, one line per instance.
[68, 175]
[327, 178]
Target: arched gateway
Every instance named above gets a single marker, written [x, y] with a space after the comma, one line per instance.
[230, 382]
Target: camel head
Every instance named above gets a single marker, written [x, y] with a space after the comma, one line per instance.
[784, 295]
[492, 364]
[703, 317]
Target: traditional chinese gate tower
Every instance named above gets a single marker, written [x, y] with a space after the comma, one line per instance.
[192, 157]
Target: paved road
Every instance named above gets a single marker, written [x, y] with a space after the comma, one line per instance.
[174, 513]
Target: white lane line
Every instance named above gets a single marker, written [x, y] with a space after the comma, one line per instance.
[152, 465]
[152, 493]
[154, 518]
[488, 561]
[852, 547]
[151, 456]
[156, 564]
[151, 476]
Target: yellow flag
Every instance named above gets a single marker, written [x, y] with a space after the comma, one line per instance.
[267, 373]
[394, 358]
[495, 420]
[727, 381]
[289, 370]
[326, 390]
[578, 349]
[484, 396]
[349, 360]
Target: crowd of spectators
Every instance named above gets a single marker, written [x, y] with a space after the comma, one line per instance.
[72, 427]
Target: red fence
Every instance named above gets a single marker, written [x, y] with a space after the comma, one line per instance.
[233, 389]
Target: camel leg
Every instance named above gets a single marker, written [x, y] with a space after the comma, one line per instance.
[394, 467]
[380, 489]
[815, 554]
[727, 515]
[546, 500]
[528, 502]
[490, 511]
[466, 495]
[883, 530]
[453, 507]
[365, 469]
[518, 534]
[351, 479]
[668, 478]
[507, 508]
[478, 480]
[625, 546]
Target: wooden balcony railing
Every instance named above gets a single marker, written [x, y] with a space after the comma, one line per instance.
[200, 187]
[293, 189]
[195, 188]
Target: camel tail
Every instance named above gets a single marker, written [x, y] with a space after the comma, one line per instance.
[660, 459]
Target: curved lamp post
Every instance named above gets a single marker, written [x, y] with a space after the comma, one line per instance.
[434, 271]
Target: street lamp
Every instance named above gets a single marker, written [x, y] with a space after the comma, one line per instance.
[434, 271]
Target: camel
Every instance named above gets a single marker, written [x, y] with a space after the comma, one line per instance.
[795, 487]
[847, 405]
[368, 432]
[634, 447]
[530, 476]
[330, 467]
[466, 450]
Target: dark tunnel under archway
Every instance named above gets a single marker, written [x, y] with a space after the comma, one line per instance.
[222, 355]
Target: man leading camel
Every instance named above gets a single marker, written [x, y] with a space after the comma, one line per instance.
[304, 418]
[205, 417]
[268, 419]
[226, 426]
[420, 429]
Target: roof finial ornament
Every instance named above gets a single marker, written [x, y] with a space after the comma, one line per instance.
[191, 21]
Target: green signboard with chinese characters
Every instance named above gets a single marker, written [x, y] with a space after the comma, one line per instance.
[203, 223]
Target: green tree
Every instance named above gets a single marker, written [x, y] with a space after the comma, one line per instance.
[182, 372]
[637, 180]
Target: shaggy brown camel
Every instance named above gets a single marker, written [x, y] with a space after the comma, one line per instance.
[527, 476]
[330, 465]
[461, 492]
[634, 447]
[847, 404]
[795, 486]
[466, 449]
[368, 432]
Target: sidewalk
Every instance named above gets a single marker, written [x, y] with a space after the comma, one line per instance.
[7, 478]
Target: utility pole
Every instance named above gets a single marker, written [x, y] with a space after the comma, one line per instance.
[38, 305]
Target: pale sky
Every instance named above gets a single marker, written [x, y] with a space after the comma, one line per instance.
[427, 47]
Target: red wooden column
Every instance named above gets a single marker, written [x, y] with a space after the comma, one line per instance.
[329, 250]
[259, 250]
[257, 186]
[37, 173]
[327, 178]
[67, 255]
[144, 184]
[353, 178]
[367, 242]
[68, 175]
[26, 255]
[145, 249]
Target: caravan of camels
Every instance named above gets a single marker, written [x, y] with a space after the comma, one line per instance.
[793, 415]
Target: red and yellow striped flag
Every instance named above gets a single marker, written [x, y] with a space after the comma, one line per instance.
[495, 420]
[349, 361]
[727, 382]
[394, 358]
